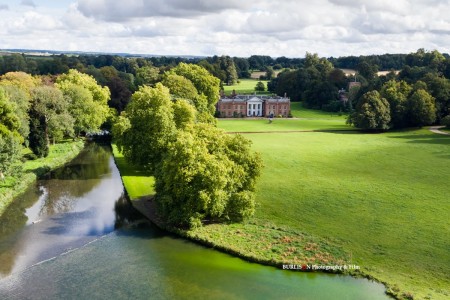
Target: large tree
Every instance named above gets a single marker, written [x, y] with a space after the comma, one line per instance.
[371, 113]
[207, 174]
[397, 93]
[201, 172]
[203, 81]
[52, 107]
[151, 126]
[421, 108]
[88, 100]
[10, 139]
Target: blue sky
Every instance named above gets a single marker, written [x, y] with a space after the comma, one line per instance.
[231, 27]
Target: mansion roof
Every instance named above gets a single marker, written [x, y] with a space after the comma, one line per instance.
[254, 98]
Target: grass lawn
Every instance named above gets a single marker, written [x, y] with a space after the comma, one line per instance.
[245, 86]
[384, 196]
[138, 183]
[298, 111]
[251, 125]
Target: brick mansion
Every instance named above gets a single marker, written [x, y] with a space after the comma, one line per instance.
[253, 106]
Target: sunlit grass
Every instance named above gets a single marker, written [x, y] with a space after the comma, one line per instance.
[385, 196]
[138, 183]
[281, 124]
[299, 111]
[245, 86]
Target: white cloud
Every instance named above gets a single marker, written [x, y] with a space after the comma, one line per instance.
[4, 7]
[112, 10]
[237, 28]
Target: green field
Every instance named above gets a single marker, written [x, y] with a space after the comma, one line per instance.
[298, 111]
[245, 86]
[384, 196]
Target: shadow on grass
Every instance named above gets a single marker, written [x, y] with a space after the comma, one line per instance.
[434, 139]
[128, 170]
[340, 131]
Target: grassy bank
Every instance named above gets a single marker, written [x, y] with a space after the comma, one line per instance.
[59, 154]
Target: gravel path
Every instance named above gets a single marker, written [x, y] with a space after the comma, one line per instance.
[435, 129]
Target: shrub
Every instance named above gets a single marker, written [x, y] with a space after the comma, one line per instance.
[446, 121]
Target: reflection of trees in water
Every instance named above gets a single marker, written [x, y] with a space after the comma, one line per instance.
[76, 179]
[64, 186]
[126, 214]
[14, 217]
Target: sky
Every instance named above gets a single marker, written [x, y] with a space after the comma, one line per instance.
[227, 27]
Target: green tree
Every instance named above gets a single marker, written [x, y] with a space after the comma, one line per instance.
[421, 108]
[446, 121]
[397, 93]
[52, 107]
[260, 86]
[152, 126]
[10, 139]
[203, 81]
[439, 88]
[270, 73]
[371, 113]
[226, 64]
[38, 140]
[88, 100]
[10, 151]
[22, 80]
[181, 87]
[183, 113]
[147, 75]
[207, 174]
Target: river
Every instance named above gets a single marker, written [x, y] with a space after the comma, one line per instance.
[73, 235]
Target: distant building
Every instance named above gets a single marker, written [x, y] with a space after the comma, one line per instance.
[253, 106]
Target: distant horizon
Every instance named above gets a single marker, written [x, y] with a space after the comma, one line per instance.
[52, 52]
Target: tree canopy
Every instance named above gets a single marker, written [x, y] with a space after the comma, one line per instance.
[201, 172]
[371, 113]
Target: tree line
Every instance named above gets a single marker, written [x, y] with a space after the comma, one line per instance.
[416, 95]
[36, 111]
[168, 128]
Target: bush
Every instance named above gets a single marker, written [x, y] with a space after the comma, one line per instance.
[446, 121]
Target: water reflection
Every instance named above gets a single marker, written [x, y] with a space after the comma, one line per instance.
[66, 209]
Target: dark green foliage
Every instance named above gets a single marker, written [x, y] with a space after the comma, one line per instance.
[371, 112]
[446, 121]
[421, 108]
[260, 87]
[397, 93]
[38, 141]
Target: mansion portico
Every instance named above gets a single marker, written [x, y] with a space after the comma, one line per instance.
[253, 106]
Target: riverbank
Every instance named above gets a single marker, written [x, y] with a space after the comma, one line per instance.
[254, 241]
[59, 154]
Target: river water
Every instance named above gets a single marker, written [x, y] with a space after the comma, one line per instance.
[74, 236]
